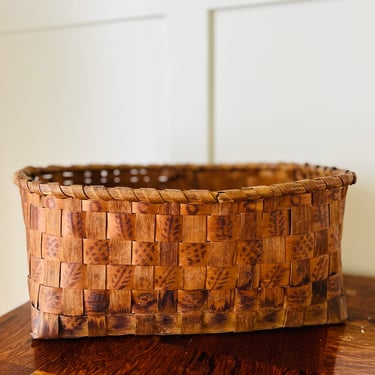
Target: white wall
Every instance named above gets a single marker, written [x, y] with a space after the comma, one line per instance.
[186, 81]
[296, 81]
[76, 94]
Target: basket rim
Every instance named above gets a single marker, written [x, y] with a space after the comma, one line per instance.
[329, 177]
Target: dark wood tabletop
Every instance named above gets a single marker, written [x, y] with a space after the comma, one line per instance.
[340, 349]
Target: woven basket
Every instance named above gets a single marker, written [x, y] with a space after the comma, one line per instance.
[105, 259]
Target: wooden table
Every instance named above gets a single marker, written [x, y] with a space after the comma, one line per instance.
[343, 349]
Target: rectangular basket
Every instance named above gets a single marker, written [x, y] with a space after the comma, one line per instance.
[185, 249]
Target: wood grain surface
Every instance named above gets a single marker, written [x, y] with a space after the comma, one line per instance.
[338, 349]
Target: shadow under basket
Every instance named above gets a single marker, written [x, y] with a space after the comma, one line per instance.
[183, 249]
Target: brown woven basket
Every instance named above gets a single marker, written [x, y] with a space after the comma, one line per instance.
[183, 249]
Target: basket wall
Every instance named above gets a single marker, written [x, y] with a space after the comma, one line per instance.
[145, 261]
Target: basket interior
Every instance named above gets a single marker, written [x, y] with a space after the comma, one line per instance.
[184, 177]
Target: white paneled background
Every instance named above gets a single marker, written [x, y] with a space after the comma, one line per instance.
[155, 81]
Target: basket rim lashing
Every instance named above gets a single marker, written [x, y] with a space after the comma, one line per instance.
[118, 249]
[329, 177]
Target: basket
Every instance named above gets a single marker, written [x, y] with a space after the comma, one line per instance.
[183, 249]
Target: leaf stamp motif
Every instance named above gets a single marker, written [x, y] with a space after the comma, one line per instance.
[72, 275]
[73, 224]
[168, 228]
[120, 277]
[276, 223]
[121, 226]
[221, 228]
[167, 277]
[319, 268]
[275, 274]
[221, 277]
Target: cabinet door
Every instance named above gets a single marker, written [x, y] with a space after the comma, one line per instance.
[295, 81]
